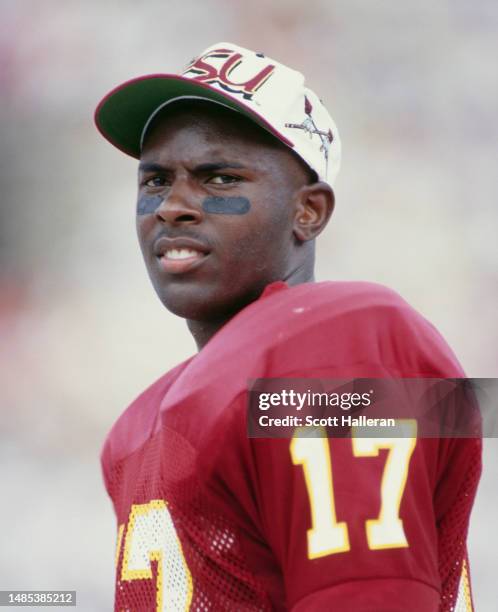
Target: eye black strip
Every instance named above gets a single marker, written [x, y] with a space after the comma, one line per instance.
[147, 205]
[226, 206]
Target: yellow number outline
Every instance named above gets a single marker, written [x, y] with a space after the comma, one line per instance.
[142, 510]
[327, 535]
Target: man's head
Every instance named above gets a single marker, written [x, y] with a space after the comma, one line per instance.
[223, 209]
[237, 160]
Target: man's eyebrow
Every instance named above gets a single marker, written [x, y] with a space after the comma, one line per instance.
[150, 167]
[207, 167]
[213, 166]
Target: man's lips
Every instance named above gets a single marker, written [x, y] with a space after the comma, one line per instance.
[179, 255]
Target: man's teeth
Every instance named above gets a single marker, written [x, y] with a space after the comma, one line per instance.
[181, 253]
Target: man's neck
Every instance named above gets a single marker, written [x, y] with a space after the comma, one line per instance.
[203, 331]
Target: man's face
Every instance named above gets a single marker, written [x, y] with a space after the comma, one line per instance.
[215, 211]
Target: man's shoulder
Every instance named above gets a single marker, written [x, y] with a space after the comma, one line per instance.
[344, 292]
[309, 303]
[136, 424]
[338, 307]
[337, 324]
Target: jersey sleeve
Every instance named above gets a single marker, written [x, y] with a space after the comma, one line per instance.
[346, 525]
[378, 522]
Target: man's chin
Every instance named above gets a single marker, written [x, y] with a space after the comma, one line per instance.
[183, 299]
[194, 304]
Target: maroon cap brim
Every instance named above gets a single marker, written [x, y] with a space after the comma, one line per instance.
[123, 113]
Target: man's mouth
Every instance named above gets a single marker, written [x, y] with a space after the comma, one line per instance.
[180, 255]
[179, 261]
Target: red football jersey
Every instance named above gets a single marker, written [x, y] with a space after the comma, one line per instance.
[210, 519]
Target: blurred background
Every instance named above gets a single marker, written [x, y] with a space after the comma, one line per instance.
[413, 89]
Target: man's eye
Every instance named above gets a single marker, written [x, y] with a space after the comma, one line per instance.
[223, 179]
[155, 181]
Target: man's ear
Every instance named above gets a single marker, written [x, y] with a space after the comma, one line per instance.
[314, 206]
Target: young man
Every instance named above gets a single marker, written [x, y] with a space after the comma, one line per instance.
[237, 162]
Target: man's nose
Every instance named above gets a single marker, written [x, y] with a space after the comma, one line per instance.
[181, 205]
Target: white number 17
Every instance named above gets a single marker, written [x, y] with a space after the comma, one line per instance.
[327, 536]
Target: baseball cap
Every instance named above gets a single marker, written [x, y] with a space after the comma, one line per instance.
[274, 96]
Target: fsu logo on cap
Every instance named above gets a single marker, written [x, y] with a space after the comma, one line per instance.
[222, 65]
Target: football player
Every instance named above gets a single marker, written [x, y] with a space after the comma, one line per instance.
[237, 162]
